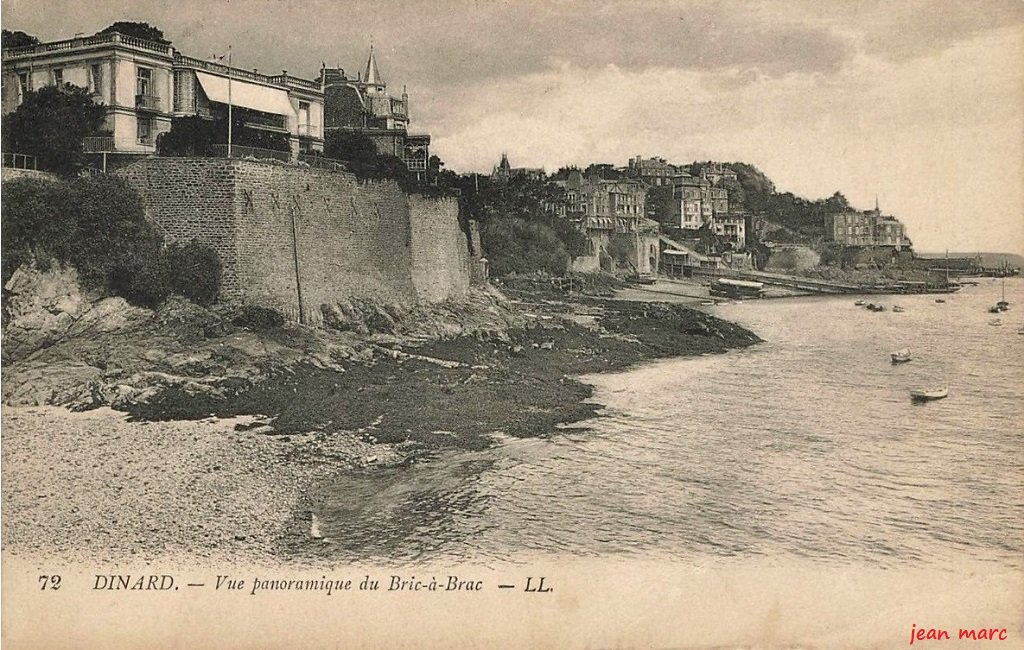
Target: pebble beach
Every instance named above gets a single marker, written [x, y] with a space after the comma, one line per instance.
[93, 486]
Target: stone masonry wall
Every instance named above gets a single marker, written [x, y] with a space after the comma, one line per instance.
[440, 249]
[280, 230]
[351, 240]
[191, 199]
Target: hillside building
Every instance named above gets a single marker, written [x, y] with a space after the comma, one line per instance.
[612, 213]
[868, 228]
[715, 172]
[504, 172]
[655, 172]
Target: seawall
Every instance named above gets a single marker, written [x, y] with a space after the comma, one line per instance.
[296, 238]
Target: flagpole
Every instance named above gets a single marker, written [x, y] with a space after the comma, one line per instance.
[229, 101]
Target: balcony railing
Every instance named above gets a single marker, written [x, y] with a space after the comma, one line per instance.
[181, 60]
[323, 162]
[147, 140]
[88, 41]
[267, 122]
[288, 80]
[147, 103]
[239, 151]
[416, 164]
[309, 131]
[98, 144]
[20, 161]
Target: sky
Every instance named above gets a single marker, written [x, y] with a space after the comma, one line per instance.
[920, 103]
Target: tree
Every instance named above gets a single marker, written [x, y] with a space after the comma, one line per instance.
[836, 204]
[51, 124]
[350, 146]
[604, 171]
[189, 136]
[144, 31]
[17, 39]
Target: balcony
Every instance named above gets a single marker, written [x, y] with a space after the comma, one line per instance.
[149, 103]
[98, 144]
[309, 131]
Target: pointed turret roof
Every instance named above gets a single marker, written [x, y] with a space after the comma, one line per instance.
[372, 74]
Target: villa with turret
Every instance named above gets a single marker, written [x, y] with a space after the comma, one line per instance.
[363, 105]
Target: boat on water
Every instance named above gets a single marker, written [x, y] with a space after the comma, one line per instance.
[898, 309]
[729, 288]
[1002, 305]
[928, 394]
[859, 303]
[900, 356]
[873, 307]
[940, 300]
[995, 322]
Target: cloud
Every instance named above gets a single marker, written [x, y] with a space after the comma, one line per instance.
[938, 138]
[908, 99]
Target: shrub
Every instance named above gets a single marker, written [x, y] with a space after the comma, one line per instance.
[514, 245]
[144, 285]
[193, 270]
[97, 225]
[257, 318]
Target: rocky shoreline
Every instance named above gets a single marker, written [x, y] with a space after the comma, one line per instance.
[221, 433]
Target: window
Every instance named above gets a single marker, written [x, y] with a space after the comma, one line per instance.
[24, 83]
[144, 81]
[95, 77]
[58, 77]
[145, 130]
[304, 119]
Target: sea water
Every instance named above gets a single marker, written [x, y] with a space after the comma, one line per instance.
[804, 448]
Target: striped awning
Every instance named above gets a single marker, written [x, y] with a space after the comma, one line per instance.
[245, 94]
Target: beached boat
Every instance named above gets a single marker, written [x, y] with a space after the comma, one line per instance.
[927, 394]
[900, 356]
[729, 288]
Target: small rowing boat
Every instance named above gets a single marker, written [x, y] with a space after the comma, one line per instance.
[928, 394]
[900, 356]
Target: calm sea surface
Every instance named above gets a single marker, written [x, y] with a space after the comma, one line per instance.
[806, 447]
